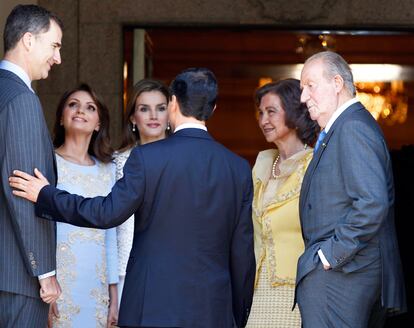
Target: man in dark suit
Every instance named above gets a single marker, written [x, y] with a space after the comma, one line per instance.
[350, 273]
[192, 261]
[32, 39]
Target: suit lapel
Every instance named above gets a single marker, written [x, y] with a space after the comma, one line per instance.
[317, 156]
[10, 75]
[312, 166]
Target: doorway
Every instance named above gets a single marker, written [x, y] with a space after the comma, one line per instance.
[243, 58]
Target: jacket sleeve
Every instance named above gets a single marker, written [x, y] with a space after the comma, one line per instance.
[242, 261]
[28, 146]
[257, 225]
[364, 177]
[99, 212]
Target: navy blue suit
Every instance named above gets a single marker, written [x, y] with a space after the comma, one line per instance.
[192, 261]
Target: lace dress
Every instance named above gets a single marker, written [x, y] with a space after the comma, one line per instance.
[125, 231]
[278, 239]
[86, 257]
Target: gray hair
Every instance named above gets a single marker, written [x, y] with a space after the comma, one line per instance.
[27, 18]
[334, 64]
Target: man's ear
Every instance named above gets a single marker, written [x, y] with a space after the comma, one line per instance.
[173, 105]
[339, 83]
[27, 40]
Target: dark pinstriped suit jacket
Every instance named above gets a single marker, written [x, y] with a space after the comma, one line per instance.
[27, 243]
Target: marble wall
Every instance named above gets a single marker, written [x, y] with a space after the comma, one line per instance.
[93, 38]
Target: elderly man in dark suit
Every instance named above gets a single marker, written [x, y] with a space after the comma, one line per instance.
[350, 273]
[32, 39]
[192, 261]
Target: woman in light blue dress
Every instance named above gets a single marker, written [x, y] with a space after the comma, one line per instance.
[87, 262]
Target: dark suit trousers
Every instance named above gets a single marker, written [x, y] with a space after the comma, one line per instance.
[19, 311]
[378, 315]
[335, 299]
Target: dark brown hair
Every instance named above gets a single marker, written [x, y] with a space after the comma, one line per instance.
[129, 137]
[296, 113]
[196, 91]
[27, 18]
[100, 145]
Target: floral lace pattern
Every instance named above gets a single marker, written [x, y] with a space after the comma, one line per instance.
[66, 276]
[81, 252]
[125, 231]
[287, 190]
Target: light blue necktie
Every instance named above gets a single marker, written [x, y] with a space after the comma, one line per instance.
[319, 141]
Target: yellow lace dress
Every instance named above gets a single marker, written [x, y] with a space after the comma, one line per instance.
[278, 239]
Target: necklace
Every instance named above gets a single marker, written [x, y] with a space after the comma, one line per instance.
[274, 175]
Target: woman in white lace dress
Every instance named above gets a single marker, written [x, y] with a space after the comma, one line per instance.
[86, 258]
[146, 121]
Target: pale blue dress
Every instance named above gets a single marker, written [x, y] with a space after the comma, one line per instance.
[86, 258]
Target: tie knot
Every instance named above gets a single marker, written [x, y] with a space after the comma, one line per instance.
[322, 135]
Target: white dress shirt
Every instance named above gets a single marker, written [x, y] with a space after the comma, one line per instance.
[20, 72]
[190, 126]
[338, 112]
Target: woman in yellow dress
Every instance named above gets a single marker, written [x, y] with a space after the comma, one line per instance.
[277, 179]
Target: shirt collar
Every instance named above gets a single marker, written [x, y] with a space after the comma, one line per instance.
[190, 126]
[9, 66]
[338, 112]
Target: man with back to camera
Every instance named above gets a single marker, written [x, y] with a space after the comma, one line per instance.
[32, 41]
[192, 260]
[350, 273]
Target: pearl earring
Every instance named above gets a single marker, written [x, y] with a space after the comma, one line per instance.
[168, 126]
[133, 127]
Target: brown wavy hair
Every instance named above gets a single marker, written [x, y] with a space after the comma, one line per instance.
[100, 144]
[129, 137]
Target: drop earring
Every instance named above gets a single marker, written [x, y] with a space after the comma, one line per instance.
[134, 127]
[168, 126]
